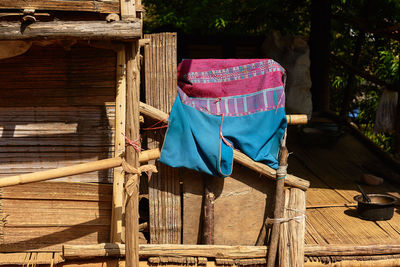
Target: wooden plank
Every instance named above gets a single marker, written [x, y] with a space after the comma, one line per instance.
[132, 157]
[93, 30]
[119, 148]
[243, 201]
[164, 193]
[102, 6]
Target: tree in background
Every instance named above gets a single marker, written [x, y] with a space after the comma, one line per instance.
[361, 40]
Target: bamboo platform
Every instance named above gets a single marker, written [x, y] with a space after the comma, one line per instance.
[331, 211]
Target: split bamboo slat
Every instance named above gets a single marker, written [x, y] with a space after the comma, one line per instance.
[102, 6]
[164, 190]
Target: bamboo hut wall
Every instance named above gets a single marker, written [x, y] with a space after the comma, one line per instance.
[164, 188]
[43, 216]
[56, 110]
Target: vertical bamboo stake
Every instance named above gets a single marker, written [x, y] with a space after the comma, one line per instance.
[296, 227]
[119, 148]
[132, 132]
[278, 210]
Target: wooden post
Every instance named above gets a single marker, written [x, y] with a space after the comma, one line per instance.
[208, 211]
[132, 132]
[291, 242]
[278, 210]
[117, 233]
[128, 9]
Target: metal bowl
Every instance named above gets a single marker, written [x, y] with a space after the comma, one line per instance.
[381, 207]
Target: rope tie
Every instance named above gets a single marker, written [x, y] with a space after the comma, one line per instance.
[153, 127]
[133, 180]
[281, 172]
[135, 144]
[282, 220]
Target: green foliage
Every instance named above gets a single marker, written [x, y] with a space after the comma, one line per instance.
[250, 17]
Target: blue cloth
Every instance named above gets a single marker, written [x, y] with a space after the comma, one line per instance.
[193, 138]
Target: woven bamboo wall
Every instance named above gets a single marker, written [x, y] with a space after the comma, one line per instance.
[53, 110]
[43, 216]
[164, 187]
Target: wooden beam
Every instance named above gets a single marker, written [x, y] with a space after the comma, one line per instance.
[94, 30]
[74, 169]
[172, 250]
[351, 250]
[116, 232]
[221, 251]
[132, 157]
[102, 6]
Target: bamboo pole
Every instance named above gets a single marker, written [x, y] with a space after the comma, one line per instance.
[278, 209]
[283, 234]
[239, 157]
[116, 233]
[73, 169]
[152, 112]
[61, 172]
[268, 172]
[132, 157]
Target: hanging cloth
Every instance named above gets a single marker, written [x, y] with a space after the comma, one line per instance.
[226, 104]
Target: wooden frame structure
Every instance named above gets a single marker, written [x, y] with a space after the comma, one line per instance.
[122, 32]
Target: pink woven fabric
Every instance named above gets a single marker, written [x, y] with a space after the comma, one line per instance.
[214, 78]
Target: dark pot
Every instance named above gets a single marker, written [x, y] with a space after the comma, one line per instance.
[381, 207]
